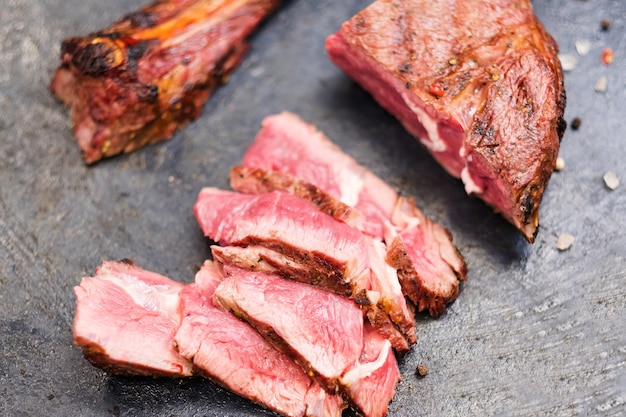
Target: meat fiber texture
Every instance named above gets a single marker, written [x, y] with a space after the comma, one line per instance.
[290, 155]
[479, 83]
[280, 233]
[229, 352]
[134, 322]
[126, 319]
[324, 332]
[140, 79]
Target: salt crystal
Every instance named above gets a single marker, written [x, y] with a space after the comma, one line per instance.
[601, 85]
[564, 242]
[568, 62]
[611, 180]
[583, 46]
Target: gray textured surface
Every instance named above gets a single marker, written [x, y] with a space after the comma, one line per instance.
[535, 331]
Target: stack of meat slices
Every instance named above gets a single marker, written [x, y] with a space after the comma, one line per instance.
[318, 270]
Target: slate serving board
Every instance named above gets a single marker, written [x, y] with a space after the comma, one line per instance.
[535, 331]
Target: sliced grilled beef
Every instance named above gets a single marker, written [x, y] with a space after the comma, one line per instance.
[372, 382]
[228, 351]
[291, 155]
[421, 253]
[140, 79]
[287, 144]
[258, 180]
[126, 319]
[478, 83]
[286, 235]
[322, 331]
[332, 251]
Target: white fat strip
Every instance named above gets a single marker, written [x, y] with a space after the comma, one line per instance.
[434, 142]
[151, 297]
[350, 186]
[362, 371]
[470, 186]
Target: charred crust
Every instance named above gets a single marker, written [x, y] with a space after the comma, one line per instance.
[527, 203]
[127, 261]
[561, 125]
[362, 299]
[69, 46]
[109, 35]
[136, 51]
[147, 93]
[141, 19]
[94, 59]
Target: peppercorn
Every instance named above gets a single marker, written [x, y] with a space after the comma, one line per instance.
[576, 123]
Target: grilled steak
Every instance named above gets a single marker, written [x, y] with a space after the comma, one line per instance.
[372, 382]
[229, 352]
[478, 83]
[283, 234]
[322, 331]
[423, 257]
[287, 144]
[258, 180]
[133, 322]
[126, 319]
[137, 81]
[291, 155]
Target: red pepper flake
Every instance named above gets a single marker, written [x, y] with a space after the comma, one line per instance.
[607, 56]
[436, 90]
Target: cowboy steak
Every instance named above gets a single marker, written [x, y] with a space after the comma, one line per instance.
[479, 83]
[137, 81]
[290, 155]
[322, 331]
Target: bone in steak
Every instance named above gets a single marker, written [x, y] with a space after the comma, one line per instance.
[479, 83]
[231, 353]
[137, 81]
[291, 155]
[322, 331]
[283, 234]
[126, 319]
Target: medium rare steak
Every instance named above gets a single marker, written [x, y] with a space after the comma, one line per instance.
[258, 180]
[333, 251]
[287, 144]
[140, 79]
[478, 82]
[229, 352]
[291, 155]
[283, 234]
[126, 319]
[134, 322]
[322, 331]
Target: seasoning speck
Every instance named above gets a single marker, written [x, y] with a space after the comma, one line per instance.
[422, 370]
[560, 164]
[568, 62]
[583, 46]
[607, 56]
[601, 85]
[564, 241]
[610, 180]
[605, 25]
[575, 123]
